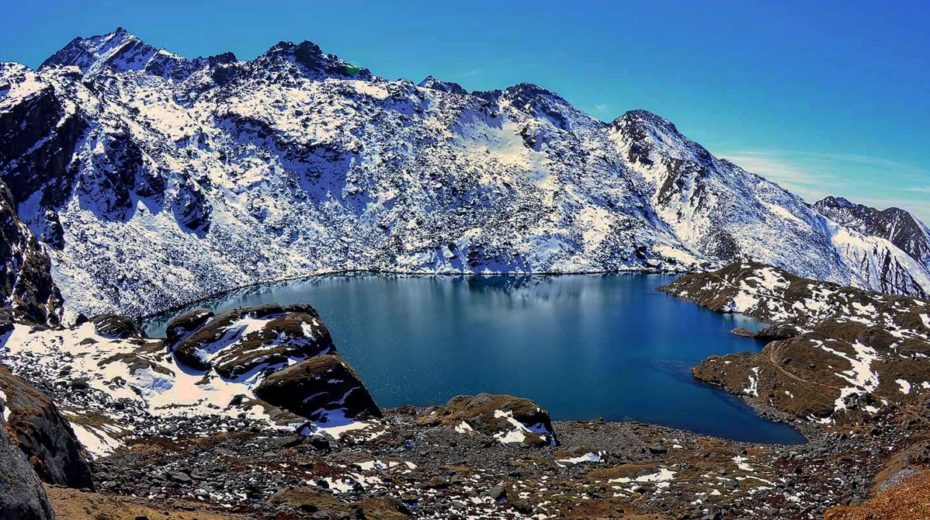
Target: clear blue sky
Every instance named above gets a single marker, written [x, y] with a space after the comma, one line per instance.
[824, 97]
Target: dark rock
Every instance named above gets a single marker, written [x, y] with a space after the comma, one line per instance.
[115, 326]
[778, 331]
[22, 496]
[317, 387]
[44, 435]
[25, 269]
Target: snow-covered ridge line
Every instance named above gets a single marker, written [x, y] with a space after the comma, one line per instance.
[156, 181]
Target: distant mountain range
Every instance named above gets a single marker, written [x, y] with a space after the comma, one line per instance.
[153, 180]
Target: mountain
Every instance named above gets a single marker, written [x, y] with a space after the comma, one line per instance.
[893, 224]
[155, 180]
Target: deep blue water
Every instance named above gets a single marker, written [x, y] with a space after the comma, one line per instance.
[583, 347]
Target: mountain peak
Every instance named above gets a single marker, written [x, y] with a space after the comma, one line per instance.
[311, 58]
[640, 117]
[84, 53]
[445, 86]
[835, 202]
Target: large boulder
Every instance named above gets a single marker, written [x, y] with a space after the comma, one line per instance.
[43, 434]
[239, 342]
[115, 326]
[509, 419]
[322, 389]
[22, 496]
[184, 325]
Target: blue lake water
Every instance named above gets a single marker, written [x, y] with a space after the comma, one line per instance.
[583, 347]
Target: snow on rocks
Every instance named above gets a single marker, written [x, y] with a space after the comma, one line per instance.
[835, 352]
[318, 387]
[505, 418]
[108, 376]
[587, 458]
[244, 341]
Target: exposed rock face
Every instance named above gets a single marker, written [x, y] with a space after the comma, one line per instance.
[893, 224]
[261, 338]
[115, 326]
[22, 496]
[46, 438]
[25, 270]
[182, 326]
[509, 419]
[212, 173]
[324, 389]
[845, 355]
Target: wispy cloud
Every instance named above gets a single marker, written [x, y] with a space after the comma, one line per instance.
[472, 73]
[875, 181]
[809, 185]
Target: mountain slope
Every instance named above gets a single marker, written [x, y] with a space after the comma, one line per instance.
[893, 224]
[157, 180]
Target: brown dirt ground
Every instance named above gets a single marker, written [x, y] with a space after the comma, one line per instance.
[72, 504]
[909, 500]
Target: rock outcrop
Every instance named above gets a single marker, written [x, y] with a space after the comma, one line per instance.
[837, 355]
[323, 389]
[22, 496]
[508, 419]
[25, 270]
[242, 341]
[43, 434]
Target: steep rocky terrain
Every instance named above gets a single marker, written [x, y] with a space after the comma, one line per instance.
[893, 224]
[156, 180]
[26, 284]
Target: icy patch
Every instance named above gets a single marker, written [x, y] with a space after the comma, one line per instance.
[5, 406]
[904, 386]
[753, 388]
[335, 424]
[519, 431]
[661, 478]
[589, 457]
[463, 427]
[97, 442]
[380, 465]
[741, 463]
[860, 374]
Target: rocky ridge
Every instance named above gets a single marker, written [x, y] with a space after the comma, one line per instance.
[893, 224]
[201, 175]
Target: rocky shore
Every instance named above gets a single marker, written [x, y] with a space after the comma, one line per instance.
[252, 414]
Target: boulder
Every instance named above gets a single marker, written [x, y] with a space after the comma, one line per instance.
[43, 434]
[116, 326]
[22, 496]
[239, 342]
[778, 331]
[184, 325]
[320, 389]
[509, 419]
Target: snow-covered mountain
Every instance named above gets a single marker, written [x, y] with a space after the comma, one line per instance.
[155, 180]
[893, 224]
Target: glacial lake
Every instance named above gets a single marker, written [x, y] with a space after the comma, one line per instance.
[582, 346]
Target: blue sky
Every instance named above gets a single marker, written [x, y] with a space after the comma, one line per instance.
[822, 97]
